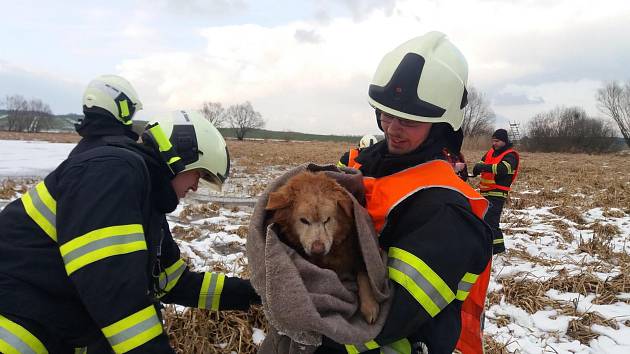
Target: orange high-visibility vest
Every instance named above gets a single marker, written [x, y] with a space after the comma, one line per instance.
[384, 193]
[487, 179]
[351, 158]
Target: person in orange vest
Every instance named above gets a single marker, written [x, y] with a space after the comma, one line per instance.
[349, 156]
[429, 221]
[498, 169]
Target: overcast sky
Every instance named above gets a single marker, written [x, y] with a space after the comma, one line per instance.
[306, 65]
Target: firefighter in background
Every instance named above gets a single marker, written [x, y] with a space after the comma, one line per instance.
[86, 256]
[429, 221]
[498, 169]
[349, 156]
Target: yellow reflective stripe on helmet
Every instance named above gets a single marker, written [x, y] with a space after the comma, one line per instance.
[509, 167]
[402, 346]
[359, 348]
[210, 292]
[124, 108]
[419, 280]
[497, 241]
[170, 276]
[42, 208]
[160, 138]
[102, 243]
[133, 331]
[15, 339]
[494, 168]
[82, 350]
[464, 286]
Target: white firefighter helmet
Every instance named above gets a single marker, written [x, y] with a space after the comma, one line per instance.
[423, 79]
[367, 141]
[188, 141]
[113, 94]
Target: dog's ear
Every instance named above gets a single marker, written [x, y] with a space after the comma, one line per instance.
[346, 205]
[277, 200]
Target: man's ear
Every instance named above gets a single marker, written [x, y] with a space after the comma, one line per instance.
[346, 205]
[277, 200]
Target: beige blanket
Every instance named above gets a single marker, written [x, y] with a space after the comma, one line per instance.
[301, 301]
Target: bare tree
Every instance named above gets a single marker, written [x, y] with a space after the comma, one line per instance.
[478, 116]
[614, 101]
[214, 112]
[243, 118]
[26, 116]
[569, 130]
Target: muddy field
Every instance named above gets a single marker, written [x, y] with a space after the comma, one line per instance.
[567, 229]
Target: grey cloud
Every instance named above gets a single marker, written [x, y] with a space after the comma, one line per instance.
[63, 97]
[212, 8]
[510, 99]
[359, 9]
[307, 36]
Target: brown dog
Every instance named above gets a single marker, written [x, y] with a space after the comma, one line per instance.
[315, 216]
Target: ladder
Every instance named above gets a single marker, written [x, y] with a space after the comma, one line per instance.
[515, 134]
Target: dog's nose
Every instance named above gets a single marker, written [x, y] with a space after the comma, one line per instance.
[318, 247]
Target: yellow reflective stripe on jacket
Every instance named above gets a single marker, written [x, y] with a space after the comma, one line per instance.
[463, 288]
[15, 339]
[133, 331]
[341, 164]
[486, 181]
[509, 167]
[102, 243]
[210, 292]
[497, 241]
[173, 160]
[494, 194]
[170, 276]
[359, 348]
[494, 168]
[82, 350]
[419, 280]
[402, 346]
[42, 208]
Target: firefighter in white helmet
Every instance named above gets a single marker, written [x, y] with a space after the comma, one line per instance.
[429, 221]
[87, 256]
[349, 156]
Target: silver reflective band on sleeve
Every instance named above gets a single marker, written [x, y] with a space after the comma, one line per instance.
[133, 330]
[210, 292]
[16, 339]
[464, 286]
[170, 276]
[42, 208]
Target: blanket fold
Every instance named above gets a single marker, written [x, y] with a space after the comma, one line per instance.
[301, 301]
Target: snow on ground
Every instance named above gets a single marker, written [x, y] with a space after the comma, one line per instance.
[542, 246]
[30, 158]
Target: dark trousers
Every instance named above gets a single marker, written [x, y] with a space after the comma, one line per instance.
[493, 217]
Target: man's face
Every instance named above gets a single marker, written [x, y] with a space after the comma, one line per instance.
[403, 135]
[497, 144]
[185, 181]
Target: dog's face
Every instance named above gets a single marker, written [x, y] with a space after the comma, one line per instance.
[314, 212]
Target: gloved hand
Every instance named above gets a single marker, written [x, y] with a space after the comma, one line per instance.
[478, 168]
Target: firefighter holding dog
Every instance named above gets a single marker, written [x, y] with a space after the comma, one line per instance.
[429, 221]
[86, 256]
[498, 169]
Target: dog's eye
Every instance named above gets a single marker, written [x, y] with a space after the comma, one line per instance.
[327, 220]
[304, 221]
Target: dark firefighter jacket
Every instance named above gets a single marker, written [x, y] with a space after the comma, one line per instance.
[437, 226]
[88, 252]
[502, 172]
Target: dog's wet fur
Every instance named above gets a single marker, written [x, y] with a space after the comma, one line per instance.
[315, 217]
